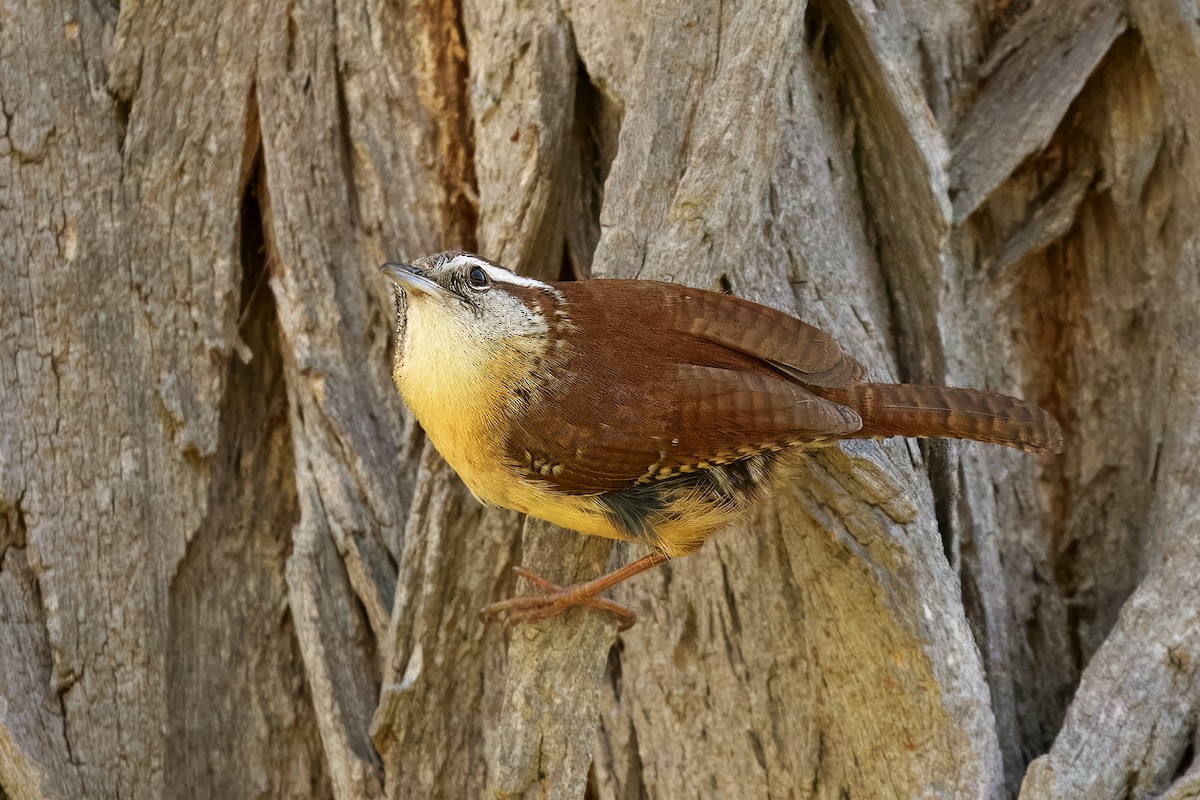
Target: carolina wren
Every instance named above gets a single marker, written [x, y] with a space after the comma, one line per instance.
[638, 410]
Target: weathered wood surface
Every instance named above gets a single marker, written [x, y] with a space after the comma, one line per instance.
[231, 566]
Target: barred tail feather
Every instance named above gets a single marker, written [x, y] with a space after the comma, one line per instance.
[936, 411]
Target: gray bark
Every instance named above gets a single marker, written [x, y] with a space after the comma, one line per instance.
[231, 566]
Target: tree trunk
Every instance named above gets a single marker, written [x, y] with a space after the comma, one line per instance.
[231, 566]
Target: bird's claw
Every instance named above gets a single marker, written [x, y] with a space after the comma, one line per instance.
[552, 600]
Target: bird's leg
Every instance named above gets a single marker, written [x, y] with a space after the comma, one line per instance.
[554, 599]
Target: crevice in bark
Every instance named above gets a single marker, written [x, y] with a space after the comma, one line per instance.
[293, 32]
[635, 787]
[818, 36]
[590, 790]
[973, 596]
[818, 765]
[756, 745]
[687, 640]
[1186, 758]
[12, 527]
[614, 668]
[942, 468]
[455, 137]
[731, 601]
[122, 108]
[595, 127]
[222, 651]
[251, 165]
[345, 138]
[568, 271]
[460, 136]
[1086, 294]
[122, 89]
[61, 696]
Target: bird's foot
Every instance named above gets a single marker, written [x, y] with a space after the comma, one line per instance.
[553, 600]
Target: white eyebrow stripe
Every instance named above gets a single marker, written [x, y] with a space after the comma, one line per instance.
[497, 273]
[504, 276]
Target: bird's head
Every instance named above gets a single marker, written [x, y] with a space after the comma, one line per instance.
[468, 307]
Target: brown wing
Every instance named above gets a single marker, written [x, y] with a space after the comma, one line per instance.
[806, 353]
[620, 408]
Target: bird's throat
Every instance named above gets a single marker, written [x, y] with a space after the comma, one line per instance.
[458, 388]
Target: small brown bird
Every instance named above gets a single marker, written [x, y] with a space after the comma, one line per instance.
[639, 410]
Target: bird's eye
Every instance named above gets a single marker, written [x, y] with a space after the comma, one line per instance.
[478, 278]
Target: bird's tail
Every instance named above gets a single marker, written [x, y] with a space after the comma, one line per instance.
[889, 409]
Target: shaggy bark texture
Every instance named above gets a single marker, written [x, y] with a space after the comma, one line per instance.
[231, 566]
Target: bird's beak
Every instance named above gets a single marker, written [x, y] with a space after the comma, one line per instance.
[413, 281]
